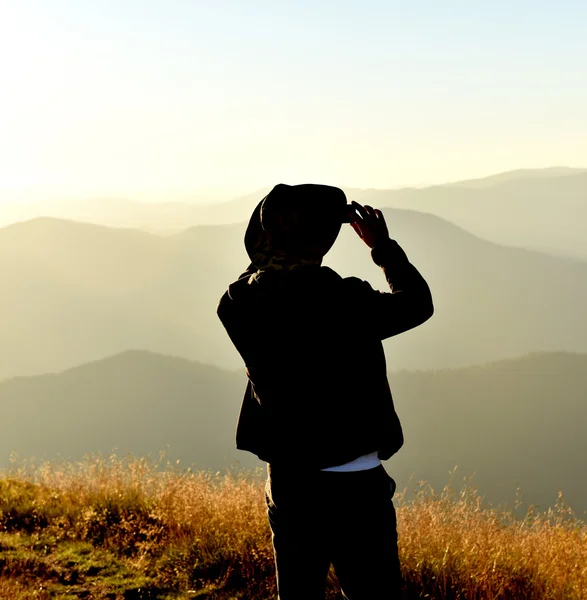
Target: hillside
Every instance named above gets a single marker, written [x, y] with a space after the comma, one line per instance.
[74, 292]
[529, 210]
[518, 422]
[133, 402]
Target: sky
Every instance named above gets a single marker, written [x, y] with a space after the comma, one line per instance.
[210, 99]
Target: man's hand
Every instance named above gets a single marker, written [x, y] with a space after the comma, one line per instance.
[369, 223]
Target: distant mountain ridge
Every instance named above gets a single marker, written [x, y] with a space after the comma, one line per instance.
[510, 423]
[546, 213]
[75, 292]
[534, 208]
[135, 402]
[518, 174]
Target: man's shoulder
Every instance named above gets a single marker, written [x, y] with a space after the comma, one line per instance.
[235, 295]
[237, 290]
[346, 281]
[356, 284]
[249, 286]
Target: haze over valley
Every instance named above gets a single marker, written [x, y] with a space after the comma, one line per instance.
[542, 209]
[110, 337]
[76, 292]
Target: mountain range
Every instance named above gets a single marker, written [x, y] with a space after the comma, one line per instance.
[541, 209]
[75, 292]
[516, 423]
[536, 210]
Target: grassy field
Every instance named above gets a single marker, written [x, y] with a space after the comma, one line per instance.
[127, 529]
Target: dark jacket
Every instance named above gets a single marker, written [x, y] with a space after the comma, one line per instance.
[318, 394]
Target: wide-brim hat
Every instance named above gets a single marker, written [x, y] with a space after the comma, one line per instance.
[295, 222]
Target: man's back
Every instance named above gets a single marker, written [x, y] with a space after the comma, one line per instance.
[311, 342]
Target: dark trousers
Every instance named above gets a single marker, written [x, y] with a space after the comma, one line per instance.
[344, 519]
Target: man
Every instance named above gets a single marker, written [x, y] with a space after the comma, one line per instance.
[318, 408]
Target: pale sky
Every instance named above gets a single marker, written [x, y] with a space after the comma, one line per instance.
[169, 99]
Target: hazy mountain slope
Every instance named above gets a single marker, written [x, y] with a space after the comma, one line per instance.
[518, 422]
[546, 213]
[159, 217]
[542, 209]
[511, 422]
[85, 292]
[95, 257]
[73, 292]
[535, 208]
[135, 402]
[492, 180]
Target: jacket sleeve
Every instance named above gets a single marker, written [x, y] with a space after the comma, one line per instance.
[409, 301]
[228, 313]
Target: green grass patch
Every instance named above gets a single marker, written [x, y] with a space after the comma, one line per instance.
[69, 569]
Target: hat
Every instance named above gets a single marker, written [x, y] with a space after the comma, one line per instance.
[295, 222]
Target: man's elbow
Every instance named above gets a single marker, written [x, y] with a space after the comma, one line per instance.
[430, 309]
[418, 314]
[426, 310]
[422, 304]
[223, 307]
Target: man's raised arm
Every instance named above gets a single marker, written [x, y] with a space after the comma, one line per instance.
[409, 302]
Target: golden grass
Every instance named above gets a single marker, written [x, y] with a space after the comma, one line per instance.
[117, 527]
[17, 590]
[454, 547]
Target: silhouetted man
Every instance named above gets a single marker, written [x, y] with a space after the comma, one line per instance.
[318, 408]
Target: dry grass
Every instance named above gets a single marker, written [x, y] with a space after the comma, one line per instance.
[453, 547]
[125, 528]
